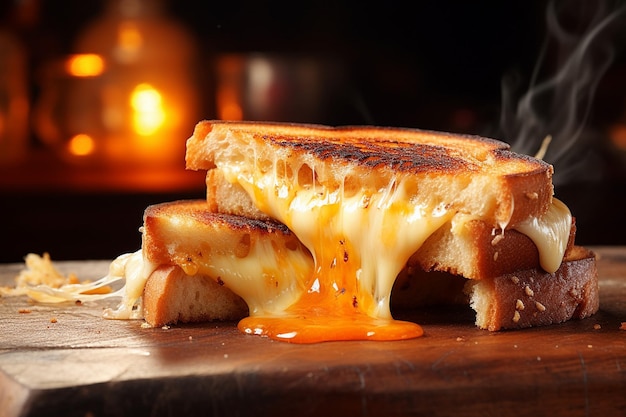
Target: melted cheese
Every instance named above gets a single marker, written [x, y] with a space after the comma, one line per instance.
[269, 278]
[550, 233]
[136, 270]
[360, 242]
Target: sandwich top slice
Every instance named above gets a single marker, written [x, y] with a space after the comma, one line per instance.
[363, 200]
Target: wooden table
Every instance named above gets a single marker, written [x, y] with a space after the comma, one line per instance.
[69, 361]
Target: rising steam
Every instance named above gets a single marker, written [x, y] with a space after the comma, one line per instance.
[558, 101]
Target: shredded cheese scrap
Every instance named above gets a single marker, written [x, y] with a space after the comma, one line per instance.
[42, 282]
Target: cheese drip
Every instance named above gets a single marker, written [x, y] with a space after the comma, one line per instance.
[360, 240]
[550, 233]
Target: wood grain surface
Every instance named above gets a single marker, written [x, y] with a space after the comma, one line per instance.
[66, 360]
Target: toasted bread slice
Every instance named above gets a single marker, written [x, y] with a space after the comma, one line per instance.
[260, 261]
[468, 174]
[524, 298]
[177, 233]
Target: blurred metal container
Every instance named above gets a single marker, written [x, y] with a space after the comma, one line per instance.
[281, 88]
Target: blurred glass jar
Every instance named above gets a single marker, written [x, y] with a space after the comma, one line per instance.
[128, 97]
[14, 102]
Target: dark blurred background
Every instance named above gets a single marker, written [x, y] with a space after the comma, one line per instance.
[84, 149]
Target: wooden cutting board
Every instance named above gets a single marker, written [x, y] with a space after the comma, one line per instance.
[67, 360]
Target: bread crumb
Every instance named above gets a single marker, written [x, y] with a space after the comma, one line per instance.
[540, 306]
[516, 316]
[166, 327]
[460, 339]
[532, 196]
[529, 292]
[53, 320]
[190, 338]
[225, 355]
[146, 325]
[589, 346]
[519, 305]
[495, 256]
[24, 311]
[597, 326]
[515, 280]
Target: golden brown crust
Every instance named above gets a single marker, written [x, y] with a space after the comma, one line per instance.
[165, 241]
[199, 211]
[444, 167]
[407, 150]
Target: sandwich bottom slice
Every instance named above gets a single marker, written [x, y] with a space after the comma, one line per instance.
[211, 266]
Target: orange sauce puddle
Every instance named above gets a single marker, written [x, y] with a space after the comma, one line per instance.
[326, 328]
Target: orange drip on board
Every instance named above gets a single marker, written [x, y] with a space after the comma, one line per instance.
[334, 308]
[314, 328]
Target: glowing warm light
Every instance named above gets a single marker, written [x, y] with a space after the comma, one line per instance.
[129, 36]
[81, 145]
[228, 104]
[148, 112]
[129, 43]
[618, 135]
[85, 65]
[231, 111]
[228, 100]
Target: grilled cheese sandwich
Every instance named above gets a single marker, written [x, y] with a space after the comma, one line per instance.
[308, 234]
[364, 200]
